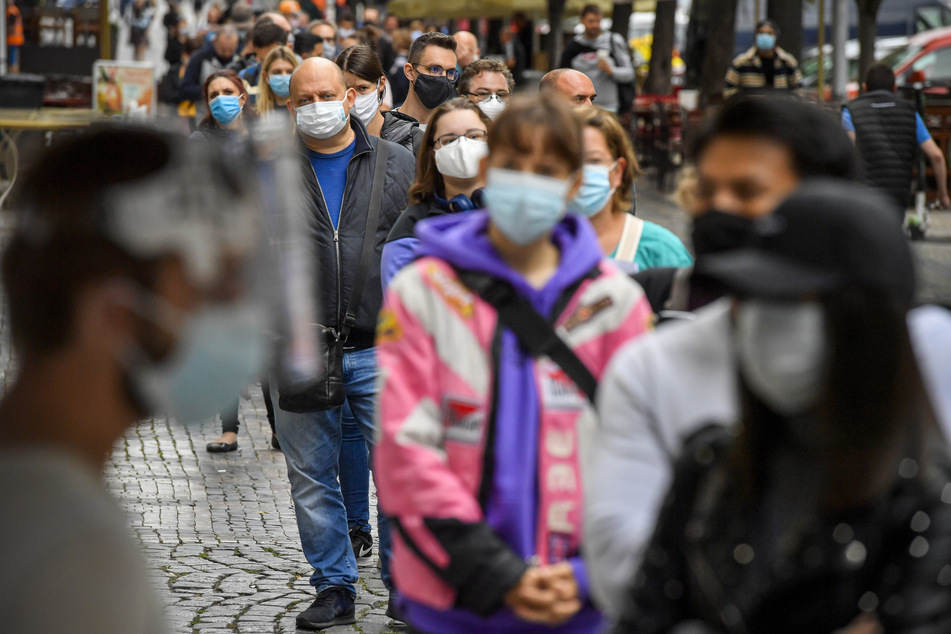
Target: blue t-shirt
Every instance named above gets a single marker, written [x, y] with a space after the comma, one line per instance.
[331, 171]
[921, 132]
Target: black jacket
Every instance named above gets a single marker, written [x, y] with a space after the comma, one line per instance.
[337, 259]
[755, 570]
[402, 129]
[886, 139]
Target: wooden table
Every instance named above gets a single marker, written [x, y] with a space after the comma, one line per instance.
[13, 121]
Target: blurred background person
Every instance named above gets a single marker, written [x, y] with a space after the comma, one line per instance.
[503, 555]
[308, 45]
[765, 66]
[488, 84]
[467, 49]
[398, 82]
[328, 32]
[448, 178]
[823, 509]
[516, 59]
[276, 82]
[573, 86]
[265, 37]
[219, 56]
[607, 197]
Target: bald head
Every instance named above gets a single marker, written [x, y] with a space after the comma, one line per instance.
[226, 42]
[570, 84]
[317, 69]
[467, 48]
[277, 19]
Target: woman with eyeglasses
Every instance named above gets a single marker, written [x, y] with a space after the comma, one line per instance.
[447, 177]
[607, 197]
[365, 75]
[488, 83]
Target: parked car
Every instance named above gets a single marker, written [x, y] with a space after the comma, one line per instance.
[929, 53]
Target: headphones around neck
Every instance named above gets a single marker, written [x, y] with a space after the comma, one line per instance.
[461, 202]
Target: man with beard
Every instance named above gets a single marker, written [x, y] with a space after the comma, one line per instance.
[654, 395]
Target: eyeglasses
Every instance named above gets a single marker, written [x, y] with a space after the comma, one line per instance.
[474, 134]
[438, 71]
[482, 95]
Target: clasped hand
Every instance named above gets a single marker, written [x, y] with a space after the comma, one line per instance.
[545, 594]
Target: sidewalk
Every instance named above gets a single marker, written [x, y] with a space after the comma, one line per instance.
[219, 530]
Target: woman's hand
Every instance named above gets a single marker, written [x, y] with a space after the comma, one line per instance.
[545, 594]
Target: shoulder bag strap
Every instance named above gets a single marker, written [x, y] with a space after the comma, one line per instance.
[534, 332]
[369, 238]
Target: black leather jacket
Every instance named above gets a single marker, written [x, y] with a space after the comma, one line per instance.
[713, 566]
[337, 253]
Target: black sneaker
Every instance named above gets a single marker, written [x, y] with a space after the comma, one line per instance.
[333, 606]
[362, 543]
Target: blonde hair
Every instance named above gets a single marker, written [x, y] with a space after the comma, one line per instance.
[267, 100]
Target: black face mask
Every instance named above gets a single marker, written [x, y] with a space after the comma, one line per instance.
[717, 231]
[432, 91]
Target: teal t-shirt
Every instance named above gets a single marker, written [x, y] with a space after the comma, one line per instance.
[659, 247]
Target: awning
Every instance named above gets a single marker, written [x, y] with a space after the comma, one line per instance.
[491, 8]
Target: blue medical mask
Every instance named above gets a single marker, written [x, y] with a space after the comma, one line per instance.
[225, 108]
[524, 206]
[595, 190]
[220, 350]
[329, 51]
[281, 85]
[765, 41]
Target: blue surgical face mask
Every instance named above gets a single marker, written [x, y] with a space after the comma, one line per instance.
[524, 206]
[595, 190]
[765, 41]
[281, 85]
[220, 350]
[225, 108]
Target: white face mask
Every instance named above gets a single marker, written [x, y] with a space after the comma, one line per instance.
[366, 106]
[322, 119]
[782, 352]
[492, 106]
[220, 350]
[460, 158]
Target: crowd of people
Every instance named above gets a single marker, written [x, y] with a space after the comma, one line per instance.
[573, 422]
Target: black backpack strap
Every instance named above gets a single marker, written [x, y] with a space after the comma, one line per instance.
[369, 238]
[534, 332]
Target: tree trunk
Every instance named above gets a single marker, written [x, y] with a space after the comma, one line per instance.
[868, 12]
[788, 15]
[621, 17]
[556, 15]
[718, 53]
[662, 49]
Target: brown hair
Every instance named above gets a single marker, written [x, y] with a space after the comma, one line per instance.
[267, 100]
[480, 66]
[426, 40]
[620, 147]
[362, 61]
[428, 178]
[539, 119]
[231, 76]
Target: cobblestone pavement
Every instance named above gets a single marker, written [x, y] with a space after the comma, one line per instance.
[219, 530]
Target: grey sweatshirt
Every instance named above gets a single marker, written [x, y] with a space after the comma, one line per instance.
[619, 58]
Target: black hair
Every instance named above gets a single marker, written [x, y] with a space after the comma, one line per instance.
[769, 23]
[362, 62]
[305, 42]
[814, 137]
[879, 77]
[268, 34]
[429, 39]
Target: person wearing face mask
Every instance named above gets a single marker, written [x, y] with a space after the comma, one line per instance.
[123, 303]
[488, 83]
[338, 165]
[765, 66]
[447, 179]
[748, 157]
[225, 98]
[276, 81]
[365, 76]
[431, 72]
[825, 509]
[265, 37]
[328, 33]
[608, 199]
[221, 55]
[479, 437]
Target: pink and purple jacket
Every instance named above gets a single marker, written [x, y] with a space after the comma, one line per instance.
[477, 459]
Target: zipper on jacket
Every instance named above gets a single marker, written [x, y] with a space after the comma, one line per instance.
[336, 244]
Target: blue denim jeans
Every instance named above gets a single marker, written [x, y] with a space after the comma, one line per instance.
[311, 445]
[354, 472]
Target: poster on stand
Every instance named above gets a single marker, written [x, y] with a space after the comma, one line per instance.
[124, 89]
